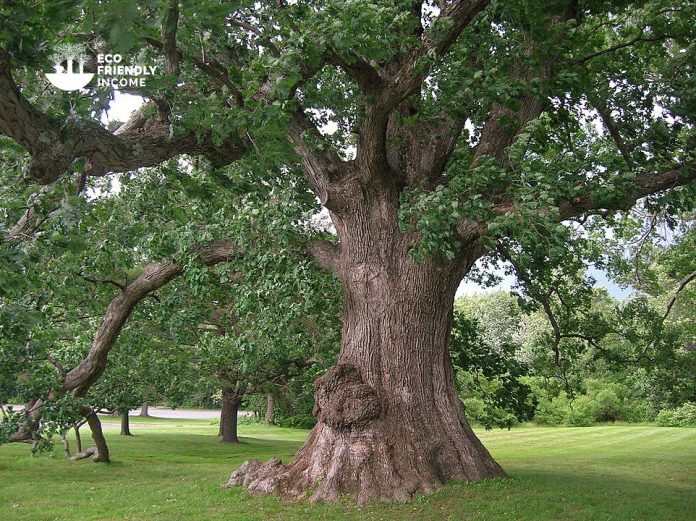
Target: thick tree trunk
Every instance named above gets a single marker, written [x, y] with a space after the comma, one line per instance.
[145, 409]
[390, 423]
[228, 416]
[270, 409]
[101, 454]
[125, 424]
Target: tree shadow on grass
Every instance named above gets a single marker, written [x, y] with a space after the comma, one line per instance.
[197, 448]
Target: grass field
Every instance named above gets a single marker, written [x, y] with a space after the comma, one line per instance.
[171, 470]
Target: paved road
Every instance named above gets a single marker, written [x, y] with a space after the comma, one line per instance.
[186, 414]
[166, 412]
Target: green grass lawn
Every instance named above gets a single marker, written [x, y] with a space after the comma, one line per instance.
[171, 470]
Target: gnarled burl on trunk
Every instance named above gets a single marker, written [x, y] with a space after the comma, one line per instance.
[389, 421]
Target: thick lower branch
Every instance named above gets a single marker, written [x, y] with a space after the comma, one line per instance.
[152, 278]
[325, 253]
[143, 141]
[641, 186]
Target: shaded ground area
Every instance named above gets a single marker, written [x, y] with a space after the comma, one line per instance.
[173, 471]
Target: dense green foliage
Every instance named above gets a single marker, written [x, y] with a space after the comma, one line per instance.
[57, 286]
[489, 375]
[680, 417]
[524, 138]
[599, 385]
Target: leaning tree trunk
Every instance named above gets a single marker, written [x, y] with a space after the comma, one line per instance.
[228, 416]
[125, 423]
[78, 438]
[390, 422]
[100, 452]
[270, 409]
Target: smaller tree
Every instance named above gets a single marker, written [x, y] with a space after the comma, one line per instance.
[489, 376]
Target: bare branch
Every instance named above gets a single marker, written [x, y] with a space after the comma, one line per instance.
[321, 165]
[93, 280]
[613, 130]
[682, 284]
[55, 363]
[213, 69]
[619, 46]
[408, 79]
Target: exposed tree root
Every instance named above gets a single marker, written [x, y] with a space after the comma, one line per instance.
[91, 451]
[357, 449]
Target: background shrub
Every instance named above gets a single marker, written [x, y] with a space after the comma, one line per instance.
[583, 412]
[683, 416]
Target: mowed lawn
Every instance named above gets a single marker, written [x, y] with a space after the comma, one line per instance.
[171, 470]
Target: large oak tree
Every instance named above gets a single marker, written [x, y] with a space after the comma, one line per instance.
[434, 133]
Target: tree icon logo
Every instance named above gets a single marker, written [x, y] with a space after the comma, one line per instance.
[66, 58]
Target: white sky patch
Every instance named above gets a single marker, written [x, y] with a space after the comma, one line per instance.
[121, 108]
[469, 287]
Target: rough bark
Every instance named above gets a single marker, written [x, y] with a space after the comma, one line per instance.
[125, 424]
[89, 452]
[101, 450]
[143, 141]
[66, 445]
[390, 423]
[145, 409]
[88, 371]
[228, 416]
[270, 409]
[80, 378]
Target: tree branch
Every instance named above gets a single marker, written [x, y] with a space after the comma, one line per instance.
[93, 280]
[682, 284]
[325, 253]
[619, 46]
[642, 186]
[613, 130]
[322, 166]
[153, 277]
[407, 80]
[213, 69]
[169, 28]
[142, 142]
[360, 70]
